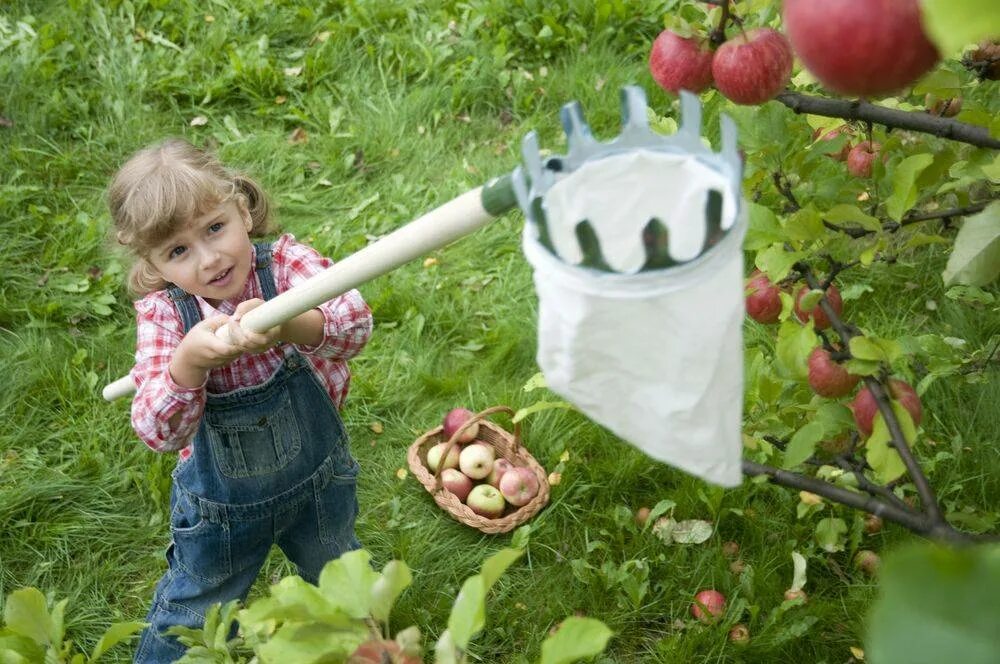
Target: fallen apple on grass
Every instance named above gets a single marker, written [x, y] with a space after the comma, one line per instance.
[739, 634]
[476, 460]
[864, 405]
[642, 515]
[873, 524]
[708, 605]
[519, 485]
[500, 466]
[454, 419]
[486, 501]
[792, 594]
[868, 562]
[457, 482]
[435, 453]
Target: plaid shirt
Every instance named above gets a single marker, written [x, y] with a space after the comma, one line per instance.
[346, 329]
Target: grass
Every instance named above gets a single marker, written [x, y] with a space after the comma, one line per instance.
[402, 112]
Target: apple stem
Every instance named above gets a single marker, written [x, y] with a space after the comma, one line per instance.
[718, 36]
[862, 110]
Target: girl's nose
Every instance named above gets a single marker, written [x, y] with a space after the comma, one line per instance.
[209, 257]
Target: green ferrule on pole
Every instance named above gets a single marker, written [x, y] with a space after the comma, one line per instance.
[498, 195]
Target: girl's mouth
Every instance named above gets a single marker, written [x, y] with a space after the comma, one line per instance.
[222, 279]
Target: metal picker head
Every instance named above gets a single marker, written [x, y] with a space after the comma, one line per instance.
[640, 201]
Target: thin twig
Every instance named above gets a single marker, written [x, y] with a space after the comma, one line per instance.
[912, 218]
[889, 117]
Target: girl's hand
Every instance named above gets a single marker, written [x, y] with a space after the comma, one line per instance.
[247, 341]
[200, 351]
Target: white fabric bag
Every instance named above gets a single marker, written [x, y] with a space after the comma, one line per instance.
[656, 356]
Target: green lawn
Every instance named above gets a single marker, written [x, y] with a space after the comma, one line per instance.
[403, 106]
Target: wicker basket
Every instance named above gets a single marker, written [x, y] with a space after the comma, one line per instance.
[507, 446]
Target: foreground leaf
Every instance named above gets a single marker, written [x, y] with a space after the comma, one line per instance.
[937, 605]
[975, 258]
[951, 24]
[575, 639]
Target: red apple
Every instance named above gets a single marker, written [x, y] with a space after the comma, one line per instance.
[476, 460]
[382, 652]
[860, 47]
[708, 605]
[457, 482]
[485, 501]
[868, 562]
[842, 130]
[827, 377]
[944, 108]
[864, 405]
[435, 453]
[680, 63]
[519, 485]
[500, 466]
[861, 158]
[454, 420]
[763, 298]
[753, 67]
[817, 314]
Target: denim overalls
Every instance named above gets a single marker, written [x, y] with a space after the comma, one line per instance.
[270, 465]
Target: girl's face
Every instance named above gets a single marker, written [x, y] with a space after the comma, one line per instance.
[210, 256]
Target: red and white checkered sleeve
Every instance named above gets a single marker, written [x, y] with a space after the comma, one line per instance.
[347, 319]
[158, 398]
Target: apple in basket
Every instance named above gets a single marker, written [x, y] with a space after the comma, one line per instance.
[485, 501]
[454, 420]
[476, 460]
[457, 482]
[519, 485]
[435, 453]
[500, 466]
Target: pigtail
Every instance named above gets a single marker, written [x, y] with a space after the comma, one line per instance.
[256, 202]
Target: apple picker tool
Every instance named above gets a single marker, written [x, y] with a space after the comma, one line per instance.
[636, 249]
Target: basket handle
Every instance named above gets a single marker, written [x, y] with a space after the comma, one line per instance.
[472, 420]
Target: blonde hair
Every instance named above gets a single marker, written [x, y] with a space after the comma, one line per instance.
[165, 186]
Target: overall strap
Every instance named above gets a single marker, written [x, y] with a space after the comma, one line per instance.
[264, 273]
[187, 307]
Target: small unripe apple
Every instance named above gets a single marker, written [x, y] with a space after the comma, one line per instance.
[753, 67]
[860, 47]
[868, 562]
[708, 605]
[730, 549]
[476, 460]
[873, 524]
[680, 63]
[763, 298]
[435, 453]
[453, 421]
[861, 158]
[828, 378]
[485, 501]
[739, 634]
[819, 316]
[642, 515]
[864, 405]
[737, 566]
[457, 482]
[947, 107]
[796, 594]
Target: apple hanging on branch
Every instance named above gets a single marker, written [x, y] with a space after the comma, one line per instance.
[763, 298]
[808, 307]
[680, 63]
[862, 157]
[864, 405]
[753, 67]
[827, 377]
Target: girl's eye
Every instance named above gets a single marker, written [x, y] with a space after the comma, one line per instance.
[176, 251]
[215, 228]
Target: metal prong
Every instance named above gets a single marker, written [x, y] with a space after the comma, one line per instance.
[633, 101]
[579, 138]
[690, 131]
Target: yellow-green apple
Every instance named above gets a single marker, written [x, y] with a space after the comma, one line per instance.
[873, 524]
[476, 460]
[739, 634]
[519, 485]
[753, 67]
[435, 453]
[457, 482]
[500, 466]
[860, 47]
[680, 63]
[864, 405]
[817, 314]
[708, 605]
[791, 594]
[485, 501]
[763, 298]
[826, 377]
[862, 157]
[868, 562]
[453, 421]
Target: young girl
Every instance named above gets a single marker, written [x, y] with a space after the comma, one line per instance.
[263, 455]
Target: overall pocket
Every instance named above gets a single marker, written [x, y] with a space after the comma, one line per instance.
[255, 440]
[337, 506]
[201, 547]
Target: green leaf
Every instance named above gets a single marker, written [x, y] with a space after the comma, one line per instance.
[794, 344]
[764, 228]
[776, 262]
[535, 382]
[468, 614]
[951, 24]
[863, 348]
[839, 214]
[347, 582]
[830, 534]
[395, 578]
[577, 638]
[882, 457]
[497, 564]
[18, 649]
[937, 605]
[803, 444]
[27, 615]
[540, 406]
[975, 259]
[114, 635]
[309, 643]
[659, 509]
[805, 225]
[445, 650]
[904, 184]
